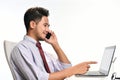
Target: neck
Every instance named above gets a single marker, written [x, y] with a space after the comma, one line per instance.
[32, 36]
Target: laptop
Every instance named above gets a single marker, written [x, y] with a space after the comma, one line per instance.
[105, 65]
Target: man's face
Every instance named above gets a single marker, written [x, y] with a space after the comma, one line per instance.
[42, 28]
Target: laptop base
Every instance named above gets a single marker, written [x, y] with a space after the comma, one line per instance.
[92, 74]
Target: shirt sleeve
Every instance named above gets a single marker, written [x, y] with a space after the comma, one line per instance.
[56, 64]
[24, 65]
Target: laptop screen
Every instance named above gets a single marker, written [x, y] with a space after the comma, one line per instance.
[107, 59]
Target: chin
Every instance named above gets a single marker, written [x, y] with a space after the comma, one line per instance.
[41, 39]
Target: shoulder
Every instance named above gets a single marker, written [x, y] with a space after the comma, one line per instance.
[24, 49]
[24, 45]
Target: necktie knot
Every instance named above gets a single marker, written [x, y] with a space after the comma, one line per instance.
[38, 44]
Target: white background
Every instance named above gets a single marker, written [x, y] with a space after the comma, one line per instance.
[83, 27]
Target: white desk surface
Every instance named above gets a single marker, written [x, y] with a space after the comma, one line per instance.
[88, 78]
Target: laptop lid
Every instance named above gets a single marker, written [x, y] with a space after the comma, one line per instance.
[107, 59]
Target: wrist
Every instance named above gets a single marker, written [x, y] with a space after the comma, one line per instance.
[70, 72]
[55, 44]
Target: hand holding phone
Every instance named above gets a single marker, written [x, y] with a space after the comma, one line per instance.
[48, 35]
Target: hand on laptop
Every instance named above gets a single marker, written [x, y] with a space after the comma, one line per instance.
[83, 67]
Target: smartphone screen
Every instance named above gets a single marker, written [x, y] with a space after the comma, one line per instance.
[48, 35]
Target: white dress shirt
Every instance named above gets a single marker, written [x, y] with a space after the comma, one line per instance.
[27, 63]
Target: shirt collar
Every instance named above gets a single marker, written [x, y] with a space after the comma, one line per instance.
[28, 38]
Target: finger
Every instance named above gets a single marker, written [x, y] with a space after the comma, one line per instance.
[52, 32]
[88, 66]
[91, 62]
[46, 40]
[87, 69]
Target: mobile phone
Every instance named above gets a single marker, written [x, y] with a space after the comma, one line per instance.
[48, 35]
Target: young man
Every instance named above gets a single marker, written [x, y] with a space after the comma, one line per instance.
[26, 59]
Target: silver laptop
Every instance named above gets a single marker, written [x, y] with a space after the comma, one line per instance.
[105, 63]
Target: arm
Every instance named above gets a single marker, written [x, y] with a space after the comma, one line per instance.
[77, 69]
[61, 55]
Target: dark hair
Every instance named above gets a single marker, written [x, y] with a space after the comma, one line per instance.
[35, 14]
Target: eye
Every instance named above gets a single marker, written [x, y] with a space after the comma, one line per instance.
[46, 25]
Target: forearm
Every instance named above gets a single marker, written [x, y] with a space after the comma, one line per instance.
[61, 55]
[61, 75]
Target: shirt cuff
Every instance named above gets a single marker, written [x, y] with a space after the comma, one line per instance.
[65, 65]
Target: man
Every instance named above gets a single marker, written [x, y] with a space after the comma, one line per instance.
[26, 59]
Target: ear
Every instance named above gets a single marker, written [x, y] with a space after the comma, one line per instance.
[32, 24]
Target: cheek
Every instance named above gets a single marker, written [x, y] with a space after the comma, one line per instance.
[41, 33]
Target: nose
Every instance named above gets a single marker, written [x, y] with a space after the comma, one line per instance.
[47, 29]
